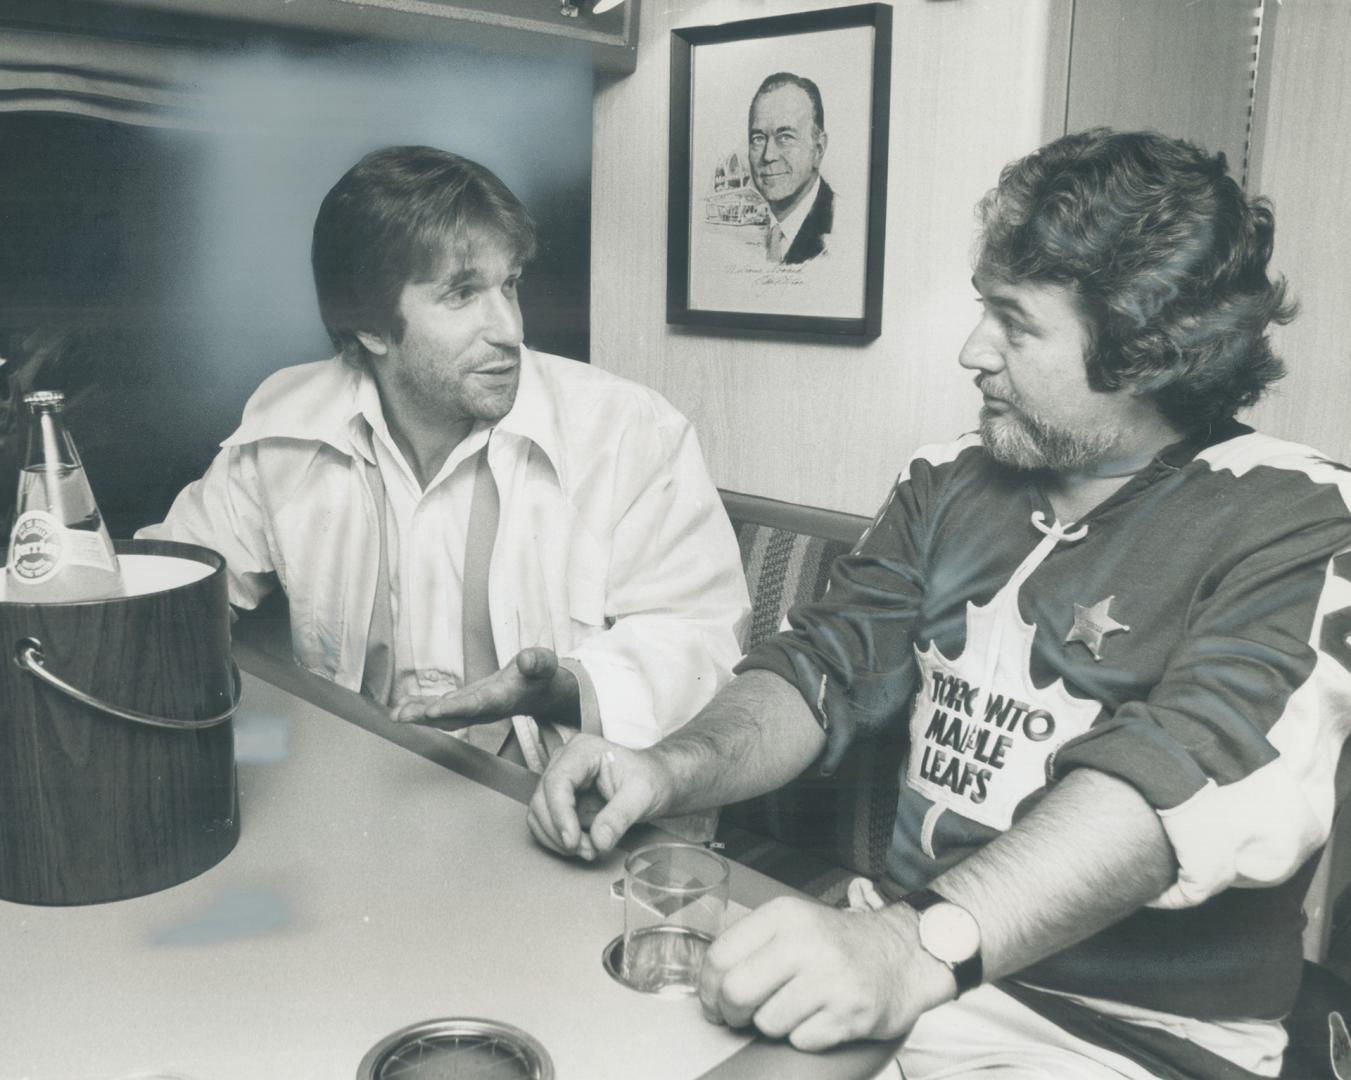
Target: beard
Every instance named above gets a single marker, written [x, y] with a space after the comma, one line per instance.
[1023, 440]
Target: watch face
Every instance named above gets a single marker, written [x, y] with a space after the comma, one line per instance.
[949, 932]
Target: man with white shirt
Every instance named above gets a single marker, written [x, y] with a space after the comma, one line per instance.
[787, 140]
[437, 497]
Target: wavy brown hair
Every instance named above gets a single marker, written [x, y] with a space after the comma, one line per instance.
[390, 220]
[1168, 259]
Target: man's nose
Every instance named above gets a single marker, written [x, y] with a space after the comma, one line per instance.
[978, 352]
[504, 323]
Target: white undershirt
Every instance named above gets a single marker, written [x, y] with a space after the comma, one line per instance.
[426, 533]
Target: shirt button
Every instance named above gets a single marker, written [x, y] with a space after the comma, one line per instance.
[434, 677]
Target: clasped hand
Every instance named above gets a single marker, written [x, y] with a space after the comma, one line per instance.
[818, 976]
[792, 968]
[592, 793]
[530, 684]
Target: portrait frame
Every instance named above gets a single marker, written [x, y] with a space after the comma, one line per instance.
[722, 269]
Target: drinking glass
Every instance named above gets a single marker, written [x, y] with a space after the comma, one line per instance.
[675, 900]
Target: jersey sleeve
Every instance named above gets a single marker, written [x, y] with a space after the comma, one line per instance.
[1237, 745]
[850, 653]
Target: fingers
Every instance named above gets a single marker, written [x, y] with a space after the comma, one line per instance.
[457, 709]
[824, 1029]
[553, 808]
[734, 946]
[546, 834]
[794, 1004]
[782, 969]
[753, 985]
[630, 802]
[537, 662]
[519, 687]
[589, 796]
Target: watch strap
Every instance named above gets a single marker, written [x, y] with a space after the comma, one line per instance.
[968, 973]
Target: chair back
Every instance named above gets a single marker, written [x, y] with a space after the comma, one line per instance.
[816, 832]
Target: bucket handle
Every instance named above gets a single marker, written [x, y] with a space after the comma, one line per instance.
[28, 655]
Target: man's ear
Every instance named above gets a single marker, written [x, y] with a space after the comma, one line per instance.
[374, 344]
[823, 141]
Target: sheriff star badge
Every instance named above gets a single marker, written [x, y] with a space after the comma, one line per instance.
[1092, 624]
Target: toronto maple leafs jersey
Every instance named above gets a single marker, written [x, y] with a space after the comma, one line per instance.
[1189, 636]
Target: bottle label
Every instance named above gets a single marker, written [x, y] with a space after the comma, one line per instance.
[40, 546]
[85, 547]
[35, 547]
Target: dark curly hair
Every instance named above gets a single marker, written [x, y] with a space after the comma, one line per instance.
[1168, 258]
[388, 221]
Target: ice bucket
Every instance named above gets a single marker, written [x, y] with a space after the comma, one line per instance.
[117, 767]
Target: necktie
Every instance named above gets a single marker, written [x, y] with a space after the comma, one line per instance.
[480, 655]
[776, 239]
[517, 738]
[377, 681]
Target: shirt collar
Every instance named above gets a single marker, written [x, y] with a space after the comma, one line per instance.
[534, 414]
[336, 403]
[791, 225]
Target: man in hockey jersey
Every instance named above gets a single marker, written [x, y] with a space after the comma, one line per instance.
[1114, 625]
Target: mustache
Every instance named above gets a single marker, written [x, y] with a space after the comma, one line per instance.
[494, 355]
[986, 385]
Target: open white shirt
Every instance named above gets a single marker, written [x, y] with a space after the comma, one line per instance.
[425, 532]
[612, 545]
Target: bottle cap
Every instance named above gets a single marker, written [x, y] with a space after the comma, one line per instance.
[45, 397]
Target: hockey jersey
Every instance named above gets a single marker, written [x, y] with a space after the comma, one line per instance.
[1189, 636]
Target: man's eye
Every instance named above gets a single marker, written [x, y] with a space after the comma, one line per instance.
[511, 285]
[757, 141]
[1014, 333]
[457, 298]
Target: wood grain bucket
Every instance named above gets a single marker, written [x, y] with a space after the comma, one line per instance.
[117, 768]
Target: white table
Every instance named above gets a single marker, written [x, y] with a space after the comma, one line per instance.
[371, 888]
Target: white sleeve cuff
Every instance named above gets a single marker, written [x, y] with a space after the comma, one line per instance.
[1257, 831]
[617, 699]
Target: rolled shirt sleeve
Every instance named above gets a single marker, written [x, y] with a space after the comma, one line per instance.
[675, 594]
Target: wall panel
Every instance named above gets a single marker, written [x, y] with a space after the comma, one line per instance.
[1180, 68]
[1305, 144]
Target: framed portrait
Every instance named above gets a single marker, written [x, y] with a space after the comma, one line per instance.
[777, 202]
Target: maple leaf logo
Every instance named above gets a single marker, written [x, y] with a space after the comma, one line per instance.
[981, 732]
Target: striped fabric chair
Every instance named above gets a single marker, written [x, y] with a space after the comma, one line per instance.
[817, 832]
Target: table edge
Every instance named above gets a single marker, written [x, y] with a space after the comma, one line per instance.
[758, 1058]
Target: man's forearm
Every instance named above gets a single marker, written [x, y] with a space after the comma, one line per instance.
[1092, 852]
[753, 737]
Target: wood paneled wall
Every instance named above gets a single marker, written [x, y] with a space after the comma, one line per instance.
[824, 423]
[1180, 68]
[1304, 144]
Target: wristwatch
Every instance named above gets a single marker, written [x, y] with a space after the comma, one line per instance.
[949, 933]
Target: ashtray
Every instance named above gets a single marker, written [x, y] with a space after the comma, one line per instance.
[457, 1048]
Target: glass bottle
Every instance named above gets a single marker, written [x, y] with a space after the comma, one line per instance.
[59, 548]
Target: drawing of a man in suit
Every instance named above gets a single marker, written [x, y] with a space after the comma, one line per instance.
[787, 140]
